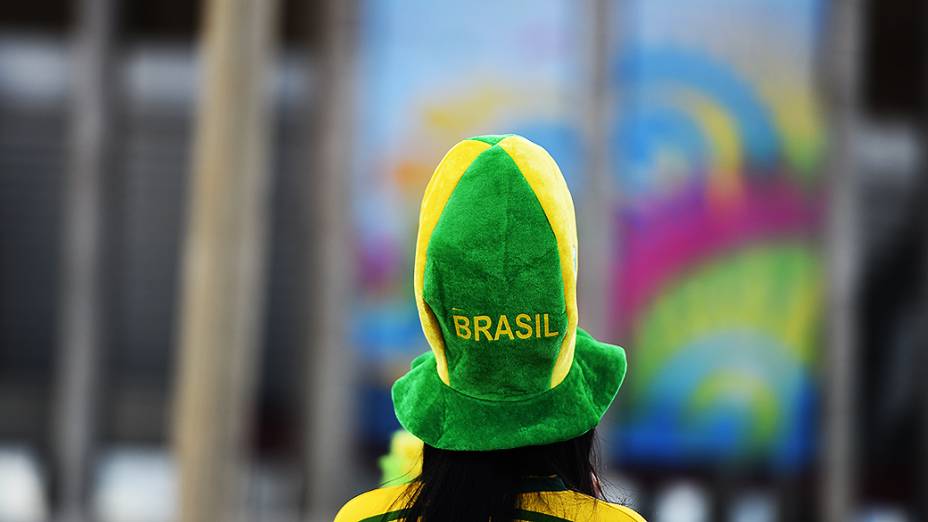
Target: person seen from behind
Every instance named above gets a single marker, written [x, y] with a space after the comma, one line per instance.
[508, 399]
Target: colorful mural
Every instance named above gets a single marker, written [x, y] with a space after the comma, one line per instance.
[431, 74]
[716, 278]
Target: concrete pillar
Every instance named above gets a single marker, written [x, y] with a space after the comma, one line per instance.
[330, 409]
[81, 328]
[224, 250]
[841, 56]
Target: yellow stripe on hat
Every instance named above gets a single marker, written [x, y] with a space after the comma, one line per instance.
[544, 177]
[444, 180]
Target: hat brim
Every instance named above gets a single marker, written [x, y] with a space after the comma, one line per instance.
[448, 419]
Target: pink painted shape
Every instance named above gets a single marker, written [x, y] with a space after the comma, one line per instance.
[660, 240]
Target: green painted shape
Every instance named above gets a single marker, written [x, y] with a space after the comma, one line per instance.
[759, 289]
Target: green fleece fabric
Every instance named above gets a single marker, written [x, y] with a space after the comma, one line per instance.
[446, 418]
[493, 282]
[491, 139]
[492, 257]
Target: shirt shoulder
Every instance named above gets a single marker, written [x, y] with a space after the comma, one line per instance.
[570, 505]
[619, 512]
[371, 504]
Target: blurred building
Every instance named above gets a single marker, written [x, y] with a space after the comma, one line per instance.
[697, 140]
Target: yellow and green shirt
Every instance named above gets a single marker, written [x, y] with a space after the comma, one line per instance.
[546, 500]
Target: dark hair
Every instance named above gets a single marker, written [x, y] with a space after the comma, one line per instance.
[483, 485]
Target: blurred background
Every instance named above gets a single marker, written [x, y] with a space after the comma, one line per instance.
[207, 223]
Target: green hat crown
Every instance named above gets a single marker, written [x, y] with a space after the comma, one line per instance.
[492, 280]
[495, 283]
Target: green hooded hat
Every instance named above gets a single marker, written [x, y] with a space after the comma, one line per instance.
[495, 284]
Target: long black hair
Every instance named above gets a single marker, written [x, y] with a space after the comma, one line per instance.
[485, 485]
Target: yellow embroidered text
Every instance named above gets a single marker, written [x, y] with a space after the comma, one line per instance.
[521, 327]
